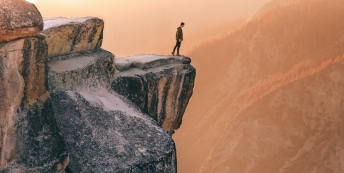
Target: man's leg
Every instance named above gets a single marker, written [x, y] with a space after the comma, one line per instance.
[179, 43]
[174, 50]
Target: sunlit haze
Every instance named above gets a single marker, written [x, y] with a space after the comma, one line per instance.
[135, 26]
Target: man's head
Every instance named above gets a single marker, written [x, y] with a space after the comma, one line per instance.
[182, 24]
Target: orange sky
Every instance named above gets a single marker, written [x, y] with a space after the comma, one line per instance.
[136, 26]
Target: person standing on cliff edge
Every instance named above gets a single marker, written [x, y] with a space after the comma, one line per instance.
[179, 37]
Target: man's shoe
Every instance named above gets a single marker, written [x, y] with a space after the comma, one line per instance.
[173, 53]
[178, 54]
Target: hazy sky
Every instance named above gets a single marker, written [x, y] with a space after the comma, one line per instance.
[136, 26]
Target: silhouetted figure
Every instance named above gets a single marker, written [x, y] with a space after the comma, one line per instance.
[179, 37]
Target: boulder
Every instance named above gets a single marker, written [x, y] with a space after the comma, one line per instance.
[104, 131]
[29, 137]
[18, 18]
[107, 133]
[160, 85]
[81, 71]
[72, 35]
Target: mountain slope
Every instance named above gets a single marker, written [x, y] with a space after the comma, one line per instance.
[273, 4]
[296, 128]
[284, 45]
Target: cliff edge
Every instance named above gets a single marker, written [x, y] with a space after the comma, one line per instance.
[160, 85]
[68, 104]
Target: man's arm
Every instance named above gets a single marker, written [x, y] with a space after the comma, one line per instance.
[180, 34]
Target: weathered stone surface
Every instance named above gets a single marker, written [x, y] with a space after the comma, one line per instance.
[71, 35]
[18, 18]
[29, 137]
[81, 71]
[146, 61]
[160, 85]
[106, 133]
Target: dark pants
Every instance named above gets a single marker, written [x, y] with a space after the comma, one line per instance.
[177, 46]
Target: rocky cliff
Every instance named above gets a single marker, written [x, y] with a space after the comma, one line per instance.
[160, 85]
[71, 35]
[29, 137]
[60, 106]
[107, 133]
[103, 130]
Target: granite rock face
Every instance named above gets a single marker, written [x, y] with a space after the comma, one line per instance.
[72, 35]
[106, 133]
[103, 130]
[81, 71]
[160, 85]
[29, 137]
[18, 18]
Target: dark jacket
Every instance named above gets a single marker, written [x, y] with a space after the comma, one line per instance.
[179, 34]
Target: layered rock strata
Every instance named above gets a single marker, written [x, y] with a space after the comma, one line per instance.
[160, 85]
[29, 137]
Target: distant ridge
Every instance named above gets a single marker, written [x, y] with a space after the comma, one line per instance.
[287, 49]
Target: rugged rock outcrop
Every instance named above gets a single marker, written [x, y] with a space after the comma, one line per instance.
[160, 85]
[106, 133]
[72, 35]
[60, 82]
[81, 71]
[29, 137]
[18, 18]
[103, 131]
